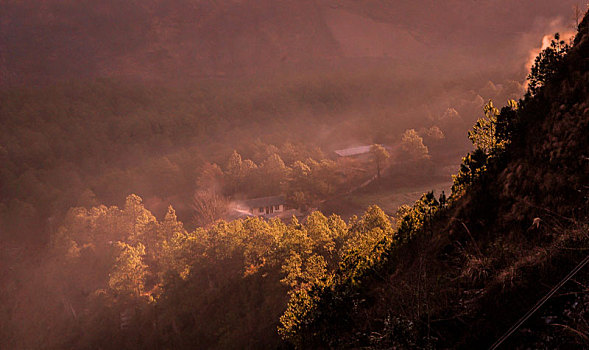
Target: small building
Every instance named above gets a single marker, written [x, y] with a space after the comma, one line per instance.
[264, 206]
[353, 151]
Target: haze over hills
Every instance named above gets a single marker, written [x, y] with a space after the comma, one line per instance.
[168, 174]
[330, 74]
[184, 39]
[209, 75]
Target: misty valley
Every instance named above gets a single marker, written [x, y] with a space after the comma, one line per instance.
[306, 174]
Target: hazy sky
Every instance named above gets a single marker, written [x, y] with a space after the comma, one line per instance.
[172, 39]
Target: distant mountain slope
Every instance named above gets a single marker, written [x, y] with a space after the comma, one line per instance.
[154, 38]
[179, 39]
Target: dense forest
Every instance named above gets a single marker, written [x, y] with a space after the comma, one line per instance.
[115, 194]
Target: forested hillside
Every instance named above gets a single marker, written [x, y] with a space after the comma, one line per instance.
[89, 142]
[132, 131]
[119, 278]
[100, 100]
[458, 274]
[85, 143]
[446, 272]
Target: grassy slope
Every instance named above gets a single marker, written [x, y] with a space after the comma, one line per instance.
[392, 191]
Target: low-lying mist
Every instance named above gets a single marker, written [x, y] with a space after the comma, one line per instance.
[128, 130]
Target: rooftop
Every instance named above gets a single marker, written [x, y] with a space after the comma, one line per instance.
[263, 201]
[352, 151]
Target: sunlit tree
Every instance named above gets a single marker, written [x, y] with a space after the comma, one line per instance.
[380, 156]
[127, 277]
[413, 146]
[547, 64]
[139, 221]
[483, 133]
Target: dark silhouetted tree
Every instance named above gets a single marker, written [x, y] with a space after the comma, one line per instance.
[547, 64]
